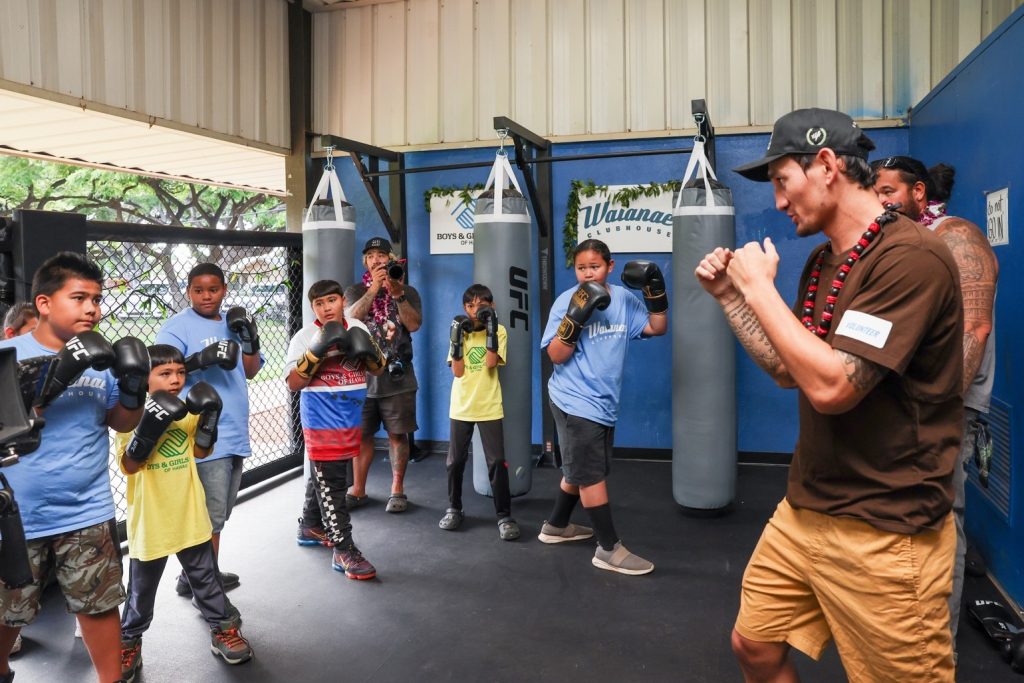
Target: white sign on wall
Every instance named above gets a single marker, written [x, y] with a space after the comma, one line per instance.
[645, 226]
[997, 216]
[451, 224]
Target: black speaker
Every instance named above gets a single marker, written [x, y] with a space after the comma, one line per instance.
[13, 418]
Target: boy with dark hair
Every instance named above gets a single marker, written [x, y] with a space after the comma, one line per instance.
[21, 318]
[327, 362]
[64, 486]
[477, 349]
[167, 509]
[191, 331]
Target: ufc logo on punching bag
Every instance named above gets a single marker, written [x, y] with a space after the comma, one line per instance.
[519, 285]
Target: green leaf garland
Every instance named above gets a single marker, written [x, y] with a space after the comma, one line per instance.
[448, 192]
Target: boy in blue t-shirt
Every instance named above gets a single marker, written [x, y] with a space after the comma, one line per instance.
[586, 337]
[63, 488]
[191, 331]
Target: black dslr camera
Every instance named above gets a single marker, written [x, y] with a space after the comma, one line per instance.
[19, 435]
[394, 365]
[396, 269]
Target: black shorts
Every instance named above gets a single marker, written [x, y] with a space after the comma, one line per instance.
[397, 413]
[586, 448]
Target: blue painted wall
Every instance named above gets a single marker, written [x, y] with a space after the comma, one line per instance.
[767, 415]
[971, 120]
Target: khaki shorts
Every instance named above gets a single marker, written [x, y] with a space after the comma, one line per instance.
[87, 563]
[882, 596]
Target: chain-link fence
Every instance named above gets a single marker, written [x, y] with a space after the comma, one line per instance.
[146, 285]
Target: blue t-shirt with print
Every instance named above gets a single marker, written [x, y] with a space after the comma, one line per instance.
[588, 384]
[190, 332]
[64, 485]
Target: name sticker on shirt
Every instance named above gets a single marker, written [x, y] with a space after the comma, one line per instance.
[865, 328]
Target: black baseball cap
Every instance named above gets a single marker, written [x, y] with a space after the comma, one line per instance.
[377, 243]
[805, 131]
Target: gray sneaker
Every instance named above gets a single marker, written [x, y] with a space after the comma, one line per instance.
[572, 532]
[620, 560]
[508, 530]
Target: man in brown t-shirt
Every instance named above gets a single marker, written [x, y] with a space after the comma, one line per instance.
[860, 550]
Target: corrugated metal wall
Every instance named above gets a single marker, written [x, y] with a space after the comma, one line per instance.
[420, 72]
[217, 65]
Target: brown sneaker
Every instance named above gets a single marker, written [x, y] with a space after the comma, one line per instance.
[227, 641]
[131, 658]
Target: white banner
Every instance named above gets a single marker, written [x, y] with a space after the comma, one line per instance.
[997, 217]
[646, 226]
[451, 224]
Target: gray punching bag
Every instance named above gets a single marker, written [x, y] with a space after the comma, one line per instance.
[703, 347]
[328, 239]
[501, 260]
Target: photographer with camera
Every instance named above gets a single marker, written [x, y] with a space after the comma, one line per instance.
[391, 311]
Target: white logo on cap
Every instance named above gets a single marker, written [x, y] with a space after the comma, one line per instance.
[816, 136]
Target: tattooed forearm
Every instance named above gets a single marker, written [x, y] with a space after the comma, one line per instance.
[753, 338]
[361, 307]
[862, 374]
[974, 349]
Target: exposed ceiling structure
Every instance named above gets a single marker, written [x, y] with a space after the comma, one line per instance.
[55, 131]
[328, 5]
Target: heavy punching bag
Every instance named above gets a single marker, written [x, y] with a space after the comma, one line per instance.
[501, 261]
[328, 238]
[703, 349]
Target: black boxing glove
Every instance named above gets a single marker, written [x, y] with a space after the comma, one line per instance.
[223, 354]
[647, 277]
[362, 347]
[83, 351]
[584, 301]
[332, 333]
[489, 318]
[131, 367]
[204, 401]
[241, 324]
[460, 325]
[162, 409]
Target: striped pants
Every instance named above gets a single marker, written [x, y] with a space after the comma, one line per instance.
[324, 505]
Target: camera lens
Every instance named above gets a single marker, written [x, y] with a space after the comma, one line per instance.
[395, 270]
[396, 369]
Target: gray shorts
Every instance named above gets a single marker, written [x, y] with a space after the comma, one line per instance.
[87, 563]
[397, 413]
[221, 479]
[586, 448]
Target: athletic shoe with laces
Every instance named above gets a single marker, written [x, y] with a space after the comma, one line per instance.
[227, 581]
[570, 532]
[131, 658]
[227, 641]
[312, 535]
[620, 560]
[352, 562]
[508, 530]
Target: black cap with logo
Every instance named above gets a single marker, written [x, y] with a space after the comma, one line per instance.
[377, 243]
[805, 131]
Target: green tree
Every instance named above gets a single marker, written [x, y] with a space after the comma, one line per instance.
[128, 198]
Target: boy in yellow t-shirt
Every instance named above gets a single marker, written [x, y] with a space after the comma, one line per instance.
[477, 350]
[167, 509]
